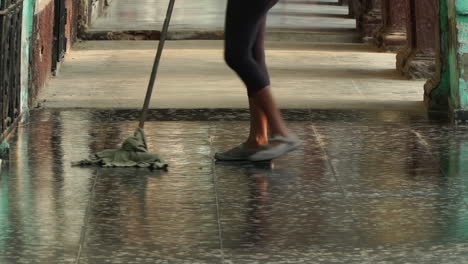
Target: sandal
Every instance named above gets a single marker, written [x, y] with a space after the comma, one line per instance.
[286, 145]
[239, 153]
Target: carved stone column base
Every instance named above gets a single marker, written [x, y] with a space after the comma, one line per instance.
[351, 9]
[402, 57]
[433, 99]
[370, 23]
[393, 42]
[416, 65]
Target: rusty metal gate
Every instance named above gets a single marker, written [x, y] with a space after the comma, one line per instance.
[11, 12]
[60, 40]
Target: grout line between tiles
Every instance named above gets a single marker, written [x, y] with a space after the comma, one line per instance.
[335, 174]
[86, 218]
[215, 184]
[324, 151]
[427, 146]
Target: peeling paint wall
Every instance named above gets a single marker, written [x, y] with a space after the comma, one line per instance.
[72, 22]
[42, 41]
[41, 50]
[28, 15]
[83, 15]
[449, 89]
[89, 10]
[461, 16]
[465, 67]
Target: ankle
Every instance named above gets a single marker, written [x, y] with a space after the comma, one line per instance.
[256, 142]
[285, 134]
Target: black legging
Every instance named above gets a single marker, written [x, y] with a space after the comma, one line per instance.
[244, 41]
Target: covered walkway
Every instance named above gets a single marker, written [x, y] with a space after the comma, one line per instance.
[377, 181]
[114, 74]
[313, 57]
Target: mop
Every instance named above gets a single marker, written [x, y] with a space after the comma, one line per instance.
[4, 150]
[134, 150]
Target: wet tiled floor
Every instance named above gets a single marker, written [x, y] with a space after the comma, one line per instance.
[366, 187]
[207, 15]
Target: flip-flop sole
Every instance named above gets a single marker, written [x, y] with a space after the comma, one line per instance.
[275, 152]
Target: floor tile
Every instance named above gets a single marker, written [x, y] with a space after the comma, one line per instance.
[43, 200]
[382, 160]
[366, 187]
[393, 221]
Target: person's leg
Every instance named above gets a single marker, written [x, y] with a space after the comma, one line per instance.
[244, 53]
[258, 127]
[243, 20]
[258, 120]
[263, 100]
[262, 103]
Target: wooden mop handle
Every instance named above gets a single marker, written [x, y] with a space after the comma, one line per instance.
[154, 72]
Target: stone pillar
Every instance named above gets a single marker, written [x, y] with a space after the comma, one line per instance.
[392, 34]
[356, 9]
[368, 17]
[448, 88]
[417, 59]
[350, 4]
[352, 12]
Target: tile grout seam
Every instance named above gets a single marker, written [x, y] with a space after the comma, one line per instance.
[322, 148]
[220, 231]
[427, 146]
[335, 174]
[86, 218]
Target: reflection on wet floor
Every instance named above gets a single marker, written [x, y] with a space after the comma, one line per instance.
[367, 187]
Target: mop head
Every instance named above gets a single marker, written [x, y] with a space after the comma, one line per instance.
[132, 153]
[4, 150]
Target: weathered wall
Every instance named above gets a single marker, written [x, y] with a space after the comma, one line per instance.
[89, 10]
[28, 15]
[448, 89]
[465, 65]
[41, 50]
[458, 41]
[42, 41]
[72, 21]
[368, 15]
[462, 19]
[461, 7]
[83, 15]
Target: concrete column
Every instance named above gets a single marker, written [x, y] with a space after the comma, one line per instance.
[417, 59]
[392, 34]
[368, 17]
[448, 89]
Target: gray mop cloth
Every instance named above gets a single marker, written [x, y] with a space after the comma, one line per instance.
[4, 150]
[132, 153]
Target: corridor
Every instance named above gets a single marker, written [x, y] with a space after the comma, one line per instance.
[378, 180]
[193, 75]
